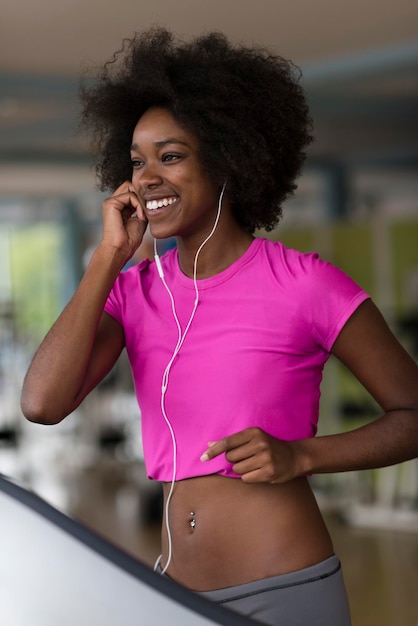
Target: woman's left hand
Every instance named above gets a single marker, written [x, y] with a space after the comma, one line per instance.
[256, 456]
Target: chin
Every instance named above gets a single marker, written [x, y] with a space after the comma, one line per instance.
[160, 232]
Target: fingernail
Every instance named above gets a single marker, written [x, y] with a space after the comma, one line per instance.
[204, 457]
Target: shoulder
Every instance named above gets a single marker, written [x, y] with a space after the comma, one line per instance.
[131, 280]
[323, 294]
[295, 265]
[317, 276]
[133, 269]
[137, 280]
[143, 270]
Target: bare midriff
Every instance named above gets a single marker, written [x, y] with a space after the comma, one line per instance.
[226, 532]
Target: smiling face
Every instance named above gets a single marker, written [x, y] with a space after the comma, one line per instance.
[178, 197]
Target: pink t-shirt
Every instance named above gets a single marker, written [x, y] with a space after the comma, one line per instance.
[253, 356]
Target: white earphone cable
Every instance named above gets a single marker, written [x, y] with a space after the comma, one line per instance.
[164, 382]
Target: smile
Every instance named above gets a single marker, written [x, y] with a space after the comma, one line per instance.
[153, 205]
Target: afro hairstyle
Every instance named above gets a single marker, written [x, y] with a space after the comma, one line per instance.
[243, 104]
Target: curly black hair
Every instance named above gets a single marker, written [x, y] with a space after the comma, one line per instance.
[243, 104]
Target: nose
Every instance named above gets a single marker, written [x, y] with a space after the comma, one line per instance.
[149, 176]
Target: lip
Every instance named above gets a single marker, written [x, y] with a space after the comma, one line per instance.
[159, 204]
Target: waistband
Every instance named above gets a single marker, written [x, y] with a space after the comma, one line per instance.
[304, 576]
[311, 574]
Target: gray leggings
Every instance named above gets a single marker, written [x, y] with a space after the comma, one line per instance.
[314, 596]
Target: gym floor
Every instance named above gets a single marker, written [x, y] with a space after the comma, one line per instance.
[380, 567]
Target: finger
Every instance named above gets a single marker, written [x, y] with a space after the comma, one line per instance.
[208, 454]
[136, 228]
[125, 186]
[139, 215]
[260, 463]
[247, 466]
[128, 204]
[139, 211]
[226, 444]
[126, 198]
[240, 453]
[254, 476]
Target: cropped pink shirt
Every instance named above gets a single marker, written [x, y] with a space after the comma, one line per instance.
[253, 356]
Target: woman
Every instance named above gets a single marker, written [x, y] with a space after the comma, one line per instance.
[227, 335]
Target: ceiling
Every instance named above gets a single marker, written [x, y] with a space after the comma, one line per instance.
[359, 61]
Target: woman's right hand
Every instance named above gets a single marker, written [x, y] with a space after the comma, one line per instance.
[84, 343]
[124, 222]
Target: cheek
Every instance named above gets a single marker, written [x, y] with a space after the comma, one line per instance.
[203, 186]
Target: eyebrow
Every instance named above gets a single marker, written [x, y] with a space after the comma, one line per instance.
[164, 142]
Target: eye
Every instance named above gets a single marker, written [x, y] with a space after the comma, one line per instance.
[167, 158]
[136, 163]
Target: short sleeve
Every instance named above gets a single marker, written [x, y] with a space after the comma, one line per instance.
[331, 297]
[112, 306]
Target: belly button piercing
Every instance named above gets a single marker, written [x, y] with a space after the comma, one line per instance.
[192, 522]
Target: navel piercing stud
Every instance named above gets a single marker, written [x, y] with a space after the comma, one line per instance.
[192, 521]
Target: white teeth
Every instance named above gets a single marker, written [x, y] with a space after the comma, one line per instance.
[153, 205]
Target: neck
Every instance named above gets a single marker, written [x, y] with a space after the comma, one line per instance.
[228, 243]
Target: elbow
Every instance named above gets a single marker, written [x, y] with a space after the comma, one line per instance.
[38, 413]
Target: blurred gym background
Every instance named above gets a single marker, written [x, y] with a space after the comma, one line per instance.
[356, 204]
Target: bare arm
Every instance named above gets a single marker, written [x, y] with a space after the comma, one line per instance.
[84, 343]
[369, 349]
